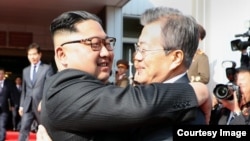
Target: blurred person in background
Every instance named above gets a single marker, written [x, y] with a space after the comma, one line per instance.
[235, 109]
[122, 79]
[199, 69]
[7, 95]
[245, 58]
[34, 77]
[16, 118]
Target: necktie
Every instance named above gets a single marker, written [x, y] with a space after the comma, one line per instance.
[231, 117]
[34, 74]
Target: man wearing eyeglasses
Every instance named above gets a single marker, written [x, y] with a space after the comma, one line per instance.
[164, 52]
[78, 105]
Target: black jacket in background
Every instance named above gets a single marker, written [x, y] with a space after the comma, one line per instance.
[7, 93]
[244, 60]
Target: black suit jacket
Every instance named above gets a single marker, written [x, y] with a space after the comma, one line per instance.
[163, 132]
[200, 117]
[77, 106]
[7, 93]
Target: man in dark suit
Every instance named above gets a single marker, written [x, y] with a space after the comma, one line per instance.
[16, 118]
[34, 77]
[90, 109]
[6, 92]
[160, 58]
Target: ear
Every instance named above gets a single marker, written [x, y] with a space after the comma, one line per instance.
[177, 57]
[60, 56]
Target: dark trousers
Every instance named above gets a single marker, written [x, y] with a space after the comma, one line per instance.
[16, 119]
[26, 122]
[3, 124]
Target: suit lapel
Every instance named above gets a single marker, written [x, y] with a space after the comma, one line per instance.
[28, 75]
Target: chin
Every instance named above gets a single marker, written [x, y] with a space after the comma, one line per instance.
[141, 81]
[103, 77]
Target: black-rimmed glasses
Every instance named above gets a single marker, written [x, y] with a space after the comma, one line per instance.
[96, 43]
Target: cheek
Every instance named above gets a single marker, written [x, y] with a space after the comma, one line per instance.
[152, 67]
[83, 61]
[156, 64]
[29, 57]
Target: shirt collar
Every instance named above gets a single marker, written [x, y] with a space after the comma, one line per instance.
[172, 80]
[36, 64]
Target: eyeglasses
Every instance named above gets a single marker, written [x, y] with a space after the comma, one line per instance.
[144, 53]
[96, 43]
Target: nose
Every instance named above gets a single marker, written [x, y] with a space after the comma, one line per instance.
[138, 56]
[104, 51]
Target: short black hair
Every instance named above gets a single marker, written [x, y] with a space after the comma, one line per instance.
[242, 68]
[1, 68]
[67, 20]
[34, 46]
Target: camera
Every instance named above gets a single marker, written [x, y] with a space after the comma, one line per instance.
[225, 91]
[222, 91]
[241, 45]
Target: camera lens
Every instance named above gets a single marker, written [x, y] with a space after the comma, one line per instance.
[221, 91]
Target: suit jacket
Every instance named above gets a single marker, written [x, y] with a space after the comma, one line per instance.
[200, 117]
[164, 132]
[32, 92]
[77, 106]
[7, 93]
[238, 120]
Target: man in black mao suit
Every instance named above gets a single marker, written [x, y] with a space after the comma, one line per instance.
[6, 92]
[168, 60]
[34, 77]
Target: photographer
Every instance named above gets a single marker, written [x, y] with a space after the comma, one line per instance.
[235, 111]
[242, 46]
[245, 58]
